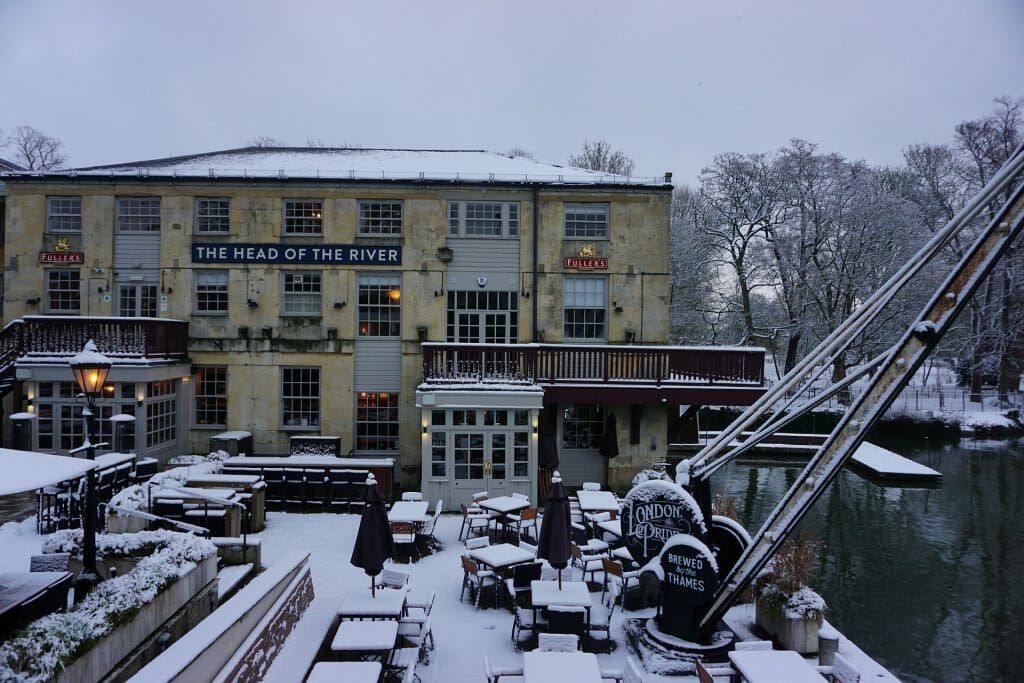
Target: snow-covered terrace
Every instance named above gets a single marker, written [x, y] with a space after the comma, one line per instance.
[333, 163]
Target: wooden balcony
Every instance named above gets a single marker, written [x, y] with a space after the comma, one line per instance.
[117, 338]
[642, 375]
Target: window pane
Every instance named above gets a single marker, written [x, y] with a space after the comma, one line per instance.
[303, 216]
[302, 294]
[380, 305]
[376, 421]
[64, 214]
[211, 291]
[211, 396]
[586, 221]
[138, 214]
[582, 426]
[300, 397]
[63, 291]
[380, 218]
[213, 215]
[585, 303]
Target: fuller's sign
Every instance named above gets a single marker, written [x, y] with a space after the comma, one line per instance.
[326, 254]
[587, 260]
[62, 257]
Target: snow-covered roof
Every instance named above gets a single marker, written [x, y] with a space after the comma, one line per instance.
[342, 163]
[6, 165]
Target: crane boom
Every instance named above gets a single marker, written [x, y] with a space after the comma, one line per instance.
[892, 375]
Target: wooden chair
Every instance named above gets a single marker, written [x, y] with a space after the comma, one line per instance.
[587, 563]
[404, 535]
[476, 578]
[599, 628]
[473, 520]
[494, 674]
[558, 642]
[525, 519]
[614, 574]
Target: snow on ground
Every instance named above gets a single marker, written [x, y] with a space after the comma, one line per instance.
[19, 542]
[462, 633]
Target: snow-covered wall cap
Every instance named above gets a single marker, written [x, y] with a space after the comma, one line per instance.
[122, 417]
[342, 163]
[24, 416]
[89, 355]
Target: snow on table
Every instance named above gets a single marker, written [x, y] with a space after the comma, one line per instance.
[408, 511]
[359, 603]
[502, 555]
[572, 594]
[772, 666]
[612, 526]
[597, 501]
[565, 667]
[350, 672]
[504, 504]
[365, 636]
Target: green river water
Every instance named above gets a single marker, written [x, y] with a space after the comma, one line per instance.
[929, 582]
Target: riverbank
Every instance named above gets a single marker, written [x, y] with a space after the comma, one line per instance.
[936, 426]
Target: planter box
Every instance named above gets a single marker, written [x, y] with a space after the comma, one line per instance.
[800, 635]
[116, 524]
[103, 657]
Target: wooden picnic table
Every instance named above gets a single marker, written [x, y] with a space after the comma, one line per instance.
[249, 484]
[26, 596]
[502, 556]
[569, 667]
[382, 468]
[771, 666]
[504, 505]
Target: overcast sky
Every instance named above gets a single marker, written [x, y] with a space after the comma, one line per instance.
[671, 83]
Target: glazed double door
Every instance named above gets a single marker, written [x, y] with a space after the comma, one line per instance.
[481, 462]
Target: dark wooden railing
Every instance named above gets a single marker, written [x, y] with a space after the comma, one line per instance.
[114, 337]
[548, 364]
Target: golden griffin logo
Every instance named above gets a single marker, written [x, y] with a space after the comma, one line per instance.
[587, 251]
[63, 246]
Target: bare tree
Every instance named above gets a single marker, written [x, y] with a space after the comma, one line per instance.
[266, 141]
[599, 156]
[36, 151]
[519, 152]
[316, 142]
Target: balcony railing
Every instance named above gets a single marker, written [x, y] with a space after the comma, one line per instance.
[114, 337]
[553, 364]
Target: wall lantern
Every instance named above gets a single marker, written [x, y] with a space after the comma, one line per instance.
[445, 254]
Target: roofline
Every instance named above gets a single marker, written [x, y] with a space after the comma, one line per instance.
[146, 179]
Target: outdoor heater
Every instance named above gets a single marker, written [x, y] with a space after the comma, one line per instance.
[90, 368]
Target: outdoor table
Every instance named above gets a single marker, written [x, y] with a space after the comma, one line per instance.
[597, 501]
[244, 483]
[502, 556]
[409, 511]
[20, 593]
[544, 667]
[232, 513]
[109, 460]
[359, 604]
[350, 672]
[771, 666]
[382, 468]
[504, 505]
[612, 526]
[572, 594]
[365, 640]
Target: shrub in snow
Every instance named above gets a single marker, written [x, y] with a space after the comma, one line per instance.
[782, 586]
[649, 475]
[48, 644]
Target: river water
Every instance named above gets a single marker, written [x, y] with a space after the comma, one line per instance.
[929, 582]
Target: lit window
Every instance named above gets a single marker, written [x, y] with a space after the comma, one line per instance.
[586, 221]
[380, 305]
[64, 214]
[300, 397]
[380, 218]
[303, 216]
[585, 308]
[302, 294]
[211, 397]
[376, 421]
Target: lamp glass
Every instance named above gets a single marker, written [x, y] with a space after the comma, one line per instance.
[90, 377]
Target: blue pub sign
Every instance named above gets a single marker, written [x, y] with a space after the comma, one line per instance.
[323, 254]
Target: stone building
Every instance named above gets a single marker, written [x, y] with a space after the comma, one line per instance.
[444, 308]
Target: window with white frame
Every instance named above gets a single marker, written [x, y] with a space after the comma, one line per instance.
[161, 413]
[211, 291]
[376, 421]
[300, 398]
[380, 305]
[380, 218]
[303, 217]
[483, 219]
[64, 214]
[585, 308]
[211, 396]
[63, 291]
[138, 214]
[302, 294]
[213, 215]
[586, 221]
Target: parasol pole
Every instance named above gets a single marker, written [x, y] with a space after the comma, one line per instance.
[373, 587]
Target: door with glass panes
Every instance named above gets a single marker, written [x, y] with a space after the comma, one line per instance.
[485, 450]
[136, 301]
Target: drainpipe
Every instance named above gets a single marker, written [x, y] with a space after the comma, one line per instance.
[533, 266]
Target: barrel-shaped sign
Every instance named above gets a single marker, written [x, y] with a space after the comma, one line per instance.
[654, 512]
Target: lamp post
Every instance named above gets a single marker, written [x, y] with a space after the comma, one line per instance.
[90, 368]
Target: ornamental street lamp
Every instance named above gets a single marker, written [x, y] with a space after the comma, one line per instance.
[90, 368]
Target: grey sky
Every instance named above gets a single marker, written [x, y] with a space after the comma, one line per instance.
[670, 83]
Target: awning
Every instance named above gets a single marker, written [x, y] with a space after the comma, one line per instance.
[22, 471]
